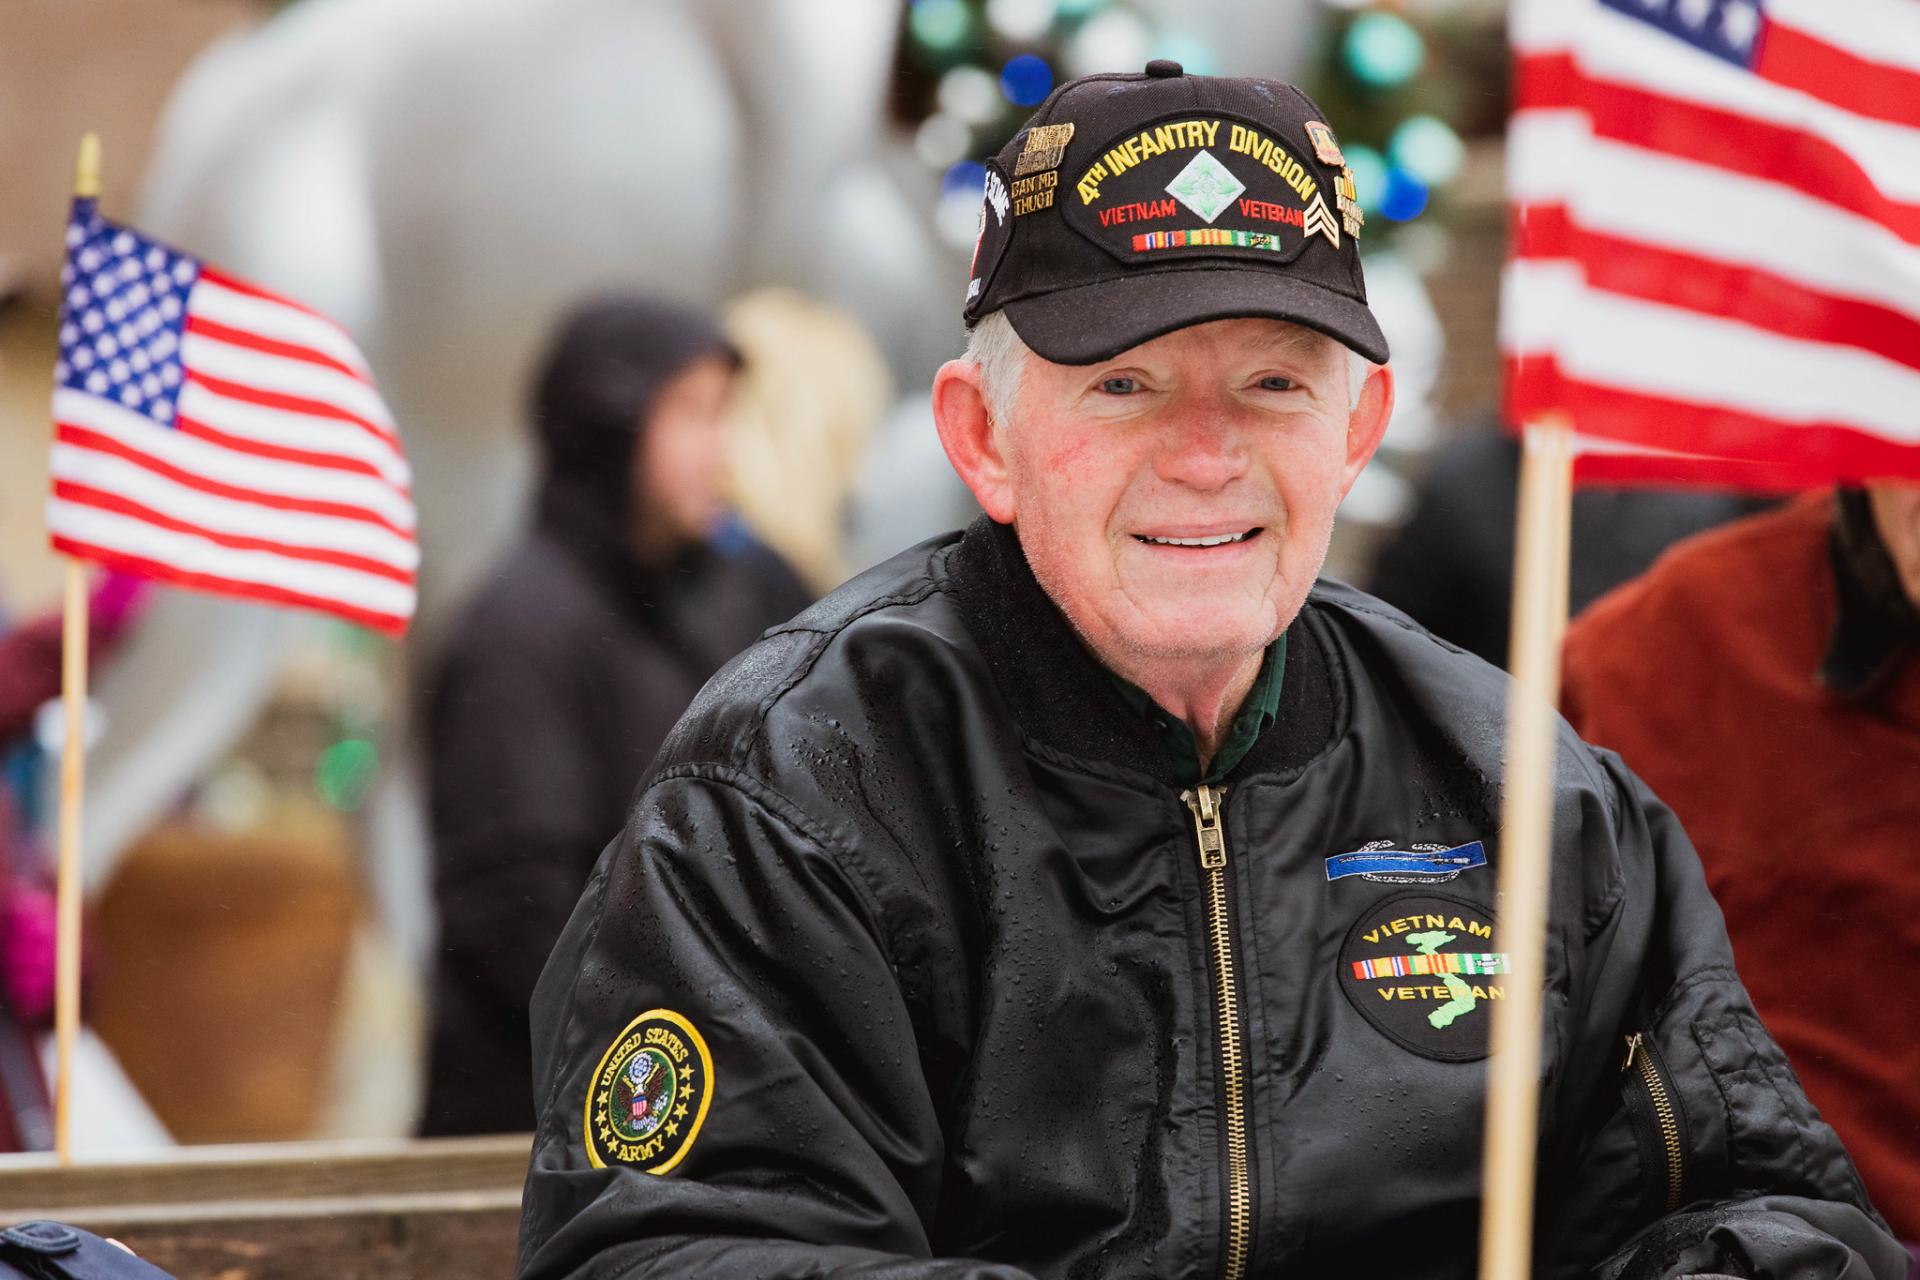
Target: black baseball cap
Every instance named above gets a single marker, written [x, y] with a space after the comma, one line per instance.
[1133, 205]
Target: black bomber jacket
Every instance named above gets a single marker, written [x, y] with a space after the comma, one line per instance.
[913, 961]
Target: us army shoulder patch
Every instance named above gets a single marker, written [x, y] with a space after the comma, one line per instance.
[649, 1095]
[1424, 968]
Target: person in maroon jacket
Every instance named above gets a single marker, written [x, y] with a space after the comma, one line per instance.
[1764, 678]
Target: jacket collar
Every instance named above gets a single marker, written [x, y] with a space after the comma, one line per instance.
[1876, 630]
[1067, 703]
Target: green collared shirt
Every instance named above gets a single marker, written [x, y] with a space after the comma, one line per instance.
[1255, 717]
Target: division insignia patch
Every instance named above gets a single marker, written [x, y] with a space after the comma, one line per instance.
[1205, 186]
[649, 1095]
[1423, 969]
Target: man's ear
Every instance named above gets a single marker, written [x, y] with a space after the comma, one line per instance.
[973, 442]
[1367, 424]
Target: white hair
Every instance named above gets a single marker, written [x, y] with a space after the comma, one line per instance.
[1359, 369]
[1002, 358]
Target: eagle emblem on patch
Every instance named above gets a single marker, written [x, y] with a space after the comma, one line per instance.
[649, 1094]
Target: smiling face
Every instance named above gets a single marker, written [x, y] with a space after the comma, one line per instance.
[1175, 501]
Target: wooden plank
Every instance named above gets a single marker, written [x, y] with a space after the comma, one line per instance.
[207, 1176]
[418, 1238]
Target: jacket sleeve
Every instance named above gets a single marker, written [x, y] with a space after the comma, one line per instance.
[725, 922]
[1762, 1186]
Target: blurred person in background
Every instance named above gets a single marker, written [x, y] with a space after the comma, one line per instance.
[1450, 566]
[30, 668]
[813, 388]
[27, 933]
[1764, 678]
[905, 491]
[571, 664]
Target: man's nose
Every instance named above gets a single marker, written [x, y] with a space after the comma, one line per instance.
[1201, 447]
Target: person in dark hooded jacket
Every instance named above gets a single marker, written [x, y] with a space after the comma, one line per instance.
[570, 666]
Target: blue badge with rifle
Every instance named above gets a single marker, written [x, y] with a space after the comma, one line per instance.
[1418, 864]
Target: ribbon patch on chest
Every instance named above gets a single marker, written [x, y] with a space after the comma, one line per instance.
[1424, 968]
[649, 1095]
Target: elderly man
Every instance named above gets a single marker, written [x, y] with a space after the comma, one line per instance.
[1093, 894]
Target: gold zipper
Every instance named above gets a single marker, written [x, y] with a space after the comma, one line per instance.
[1205, 802]
[1663, 1113]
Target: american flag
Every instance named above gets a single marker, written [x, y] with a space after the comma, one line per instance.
[1716, 249]
[210, 434]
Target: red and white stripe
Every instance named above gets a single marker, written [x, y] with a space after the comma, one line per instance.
[282, 479]
[1717, 269]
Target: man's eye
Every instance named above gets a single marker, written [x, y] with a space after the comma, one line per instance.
[1277, 383]
[1119, 386]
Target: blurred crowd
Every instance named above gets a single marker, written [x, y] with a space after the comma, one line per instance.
[703, 462]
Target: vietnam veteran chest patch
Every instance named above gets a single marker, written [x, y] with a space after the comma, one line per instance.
[1424, 968]
[649, 1095]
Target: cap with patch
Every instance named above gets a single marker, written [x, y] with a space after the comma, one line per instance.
[1134, 205]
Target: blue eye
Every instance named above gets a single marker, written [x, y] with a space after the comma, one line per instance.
[1119, 386]
[1276, 383]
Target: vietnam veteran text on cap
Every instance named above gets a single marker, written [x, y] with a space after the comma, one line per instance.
[1134, 205]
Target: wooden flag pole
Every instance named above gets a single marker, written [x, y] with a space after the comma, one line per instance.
[1541, 544]
[73, 694]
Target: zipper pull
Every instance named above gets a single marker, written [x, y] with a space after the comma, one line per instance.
[1205, 803]
[1633, 1047]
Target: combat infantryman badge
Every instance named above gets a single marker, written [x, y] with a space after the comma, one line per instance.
[1416, 864]
[1422, 968]
[649, 1095]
